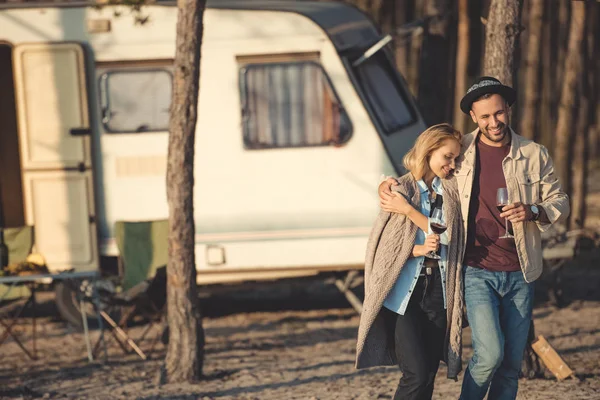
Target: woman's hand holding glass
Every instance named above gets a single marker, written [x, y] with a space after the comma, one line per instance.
[431, 245]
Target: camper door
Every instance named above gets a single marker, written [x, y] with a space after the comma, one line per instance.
[52, 104]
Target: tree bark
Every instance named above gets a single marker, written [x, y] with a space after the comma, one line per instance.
[519, 69]
[585, 123]
[532, 64]
[562, 39]
[185, 351]
[548, 93]
[411, 46]
[375, 8]
[400, 42]
[594, 73]
[579, 165]
[462, 59]
[476, 38]
[434, 76]
[414, 73]
[566, 110]
[502, 31]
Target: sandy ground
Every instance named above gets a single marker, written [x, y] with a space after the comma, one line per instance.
[295, 342]
[291, 341]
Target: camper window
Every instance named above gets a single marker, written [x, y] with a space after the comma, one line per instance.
[384, 93]
[135, 100]
[290, 105]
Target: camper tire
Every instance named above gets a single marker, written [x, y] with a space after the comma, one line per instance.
[68, 307]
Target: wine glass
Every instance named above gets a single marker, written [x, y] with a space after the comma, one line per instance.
[501, 201]
[438, 226]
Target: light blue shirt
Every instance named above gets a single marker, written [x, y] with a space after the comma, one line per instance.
[398, 298]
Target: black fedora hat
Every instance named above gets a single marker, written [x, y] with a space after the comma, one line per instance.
[485, 85]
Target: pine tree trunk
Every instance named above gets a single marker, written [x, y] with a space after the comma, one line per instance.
[400, 42]
[501, 33]
[413, 10]
[519, 69]
[414, 52]
[375, 8]
[530, 113]
[594, 72]
[585, 122]
[566, 111]
[546, 111]
[562, 39]
[579, 165]
[476, 40]
[185, 351]
[434, 75]
[462, 59]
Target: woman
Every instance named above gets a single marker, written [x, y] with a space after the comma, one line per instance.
[412, 312]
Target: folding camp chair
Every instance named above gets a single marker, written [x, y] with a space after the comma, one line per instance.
[14, 299]
[143, 258]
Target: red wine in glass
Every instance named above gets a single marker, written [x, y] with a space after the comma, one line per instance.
[500, 207]
[438, 228]
[501, 201]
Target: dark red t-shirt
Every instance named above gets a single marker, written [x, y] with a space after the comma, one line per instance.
[484, 248]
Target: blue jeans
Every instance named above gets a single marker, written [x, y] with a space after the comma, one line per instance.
[499, 306]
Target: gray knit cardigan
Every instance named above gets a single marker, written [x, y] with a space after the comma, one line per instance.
[390, 245]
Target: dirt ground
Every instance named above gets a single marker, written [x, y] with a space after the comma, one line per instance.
[290, 341]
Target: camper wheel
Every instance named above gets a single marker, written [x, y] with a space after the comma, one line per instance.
[67, 303]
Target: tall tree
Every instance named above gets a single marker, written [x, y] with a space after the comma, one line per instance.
[562, 38]
[400, 41]
[435, 88]
[594, 134]
[501, 33]
[566, 110]
[530, 108]
[185, 351]
[462, 59]
[585, 121]
[546, 110]
[578, 167]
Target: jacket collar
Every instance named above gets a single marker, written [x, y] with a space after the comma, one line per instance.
[515, 146]
[436, 185]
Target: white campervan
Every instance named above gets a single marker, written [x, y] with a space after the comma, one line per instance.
[301, 110]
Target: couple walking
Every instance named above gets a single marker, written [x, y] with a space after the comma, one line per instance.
[448, 238]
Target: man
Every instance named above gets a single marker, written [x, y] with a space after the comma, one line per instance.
[500, 271]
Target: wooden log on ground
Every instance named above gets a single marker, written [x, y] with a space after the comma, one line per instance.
[551, 359]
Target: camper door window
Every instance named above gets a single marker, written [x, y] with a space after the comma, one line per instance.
[135, 100]
[290, 104]
[384, 93]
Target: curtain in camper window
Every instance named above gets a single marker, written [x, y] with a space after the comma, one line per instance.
[291, 105]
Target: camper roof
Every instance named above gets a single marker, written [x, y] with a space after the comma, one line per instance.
[347, 26]
[344, 24]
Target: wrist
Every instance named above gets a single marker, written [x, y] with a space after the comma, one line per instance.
[418, 250]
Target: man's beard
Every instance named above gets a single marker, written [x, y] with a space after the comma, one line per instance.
[503, 129]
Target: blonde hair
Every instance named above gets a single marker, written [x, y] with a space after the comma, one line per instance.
[417, 158]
